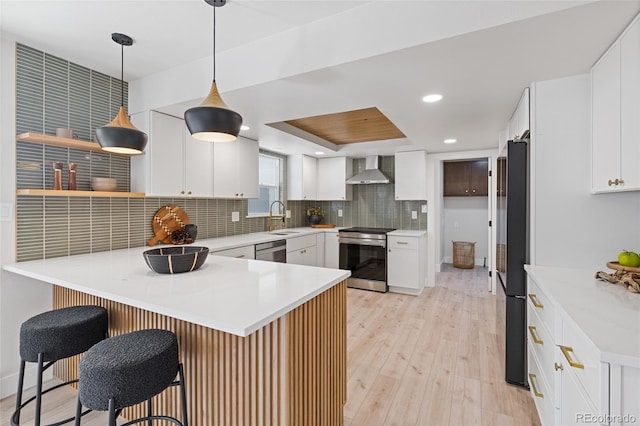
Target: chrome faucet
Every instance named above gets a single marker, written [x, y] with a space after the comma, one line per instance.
[271, 218]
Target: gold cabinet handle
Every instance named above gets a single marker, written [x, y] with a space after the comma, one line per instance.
[240, 257]
[620, 181]
[534, 300]
[565, 351]
[558, 366]
[532, 381]
[401, 242]
[610, 182]
[534, 335]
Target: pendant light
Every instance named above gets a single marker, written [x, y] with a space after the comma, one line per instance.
[121, 136]
[212, 120]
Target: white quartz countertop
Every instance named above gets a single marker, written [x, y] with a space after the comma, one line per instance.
[224, 243]
[405, 233]
[236, 296]
[607, 313]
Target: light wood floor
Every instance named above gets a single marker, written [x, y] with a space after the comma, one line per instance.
[436, 359]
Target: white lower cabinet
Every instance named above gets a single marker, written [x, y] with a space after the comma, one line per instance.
[332, 250]
[302, 250]
[406, 260]
[245, 252]
[569, 382]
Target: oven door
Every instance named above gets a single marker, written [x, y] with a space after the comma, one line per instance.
[367, 261]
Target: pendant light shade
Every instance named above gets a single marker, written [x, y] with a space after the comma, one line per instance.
[120, 136]
[213, 120]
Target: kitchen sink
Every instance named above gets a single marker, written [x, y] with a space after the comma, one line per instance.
[284, 232]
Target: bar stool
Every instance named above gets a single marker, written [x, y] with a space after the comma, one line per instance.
[52, 336]
[128, 369]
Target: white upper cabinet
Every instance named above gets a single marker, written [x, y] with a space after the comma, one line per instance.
[605, 119]
[302, 177]
[235, 169]
[411, 175]
[630, 106]
[615, 115]
[174, 164]
[332, 174]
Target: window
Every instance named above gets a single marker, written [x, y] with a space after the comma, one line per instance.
[270, 184]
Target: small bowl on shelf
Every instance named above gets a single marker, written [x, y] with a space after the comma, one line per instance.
[176, 260]
[103, 184]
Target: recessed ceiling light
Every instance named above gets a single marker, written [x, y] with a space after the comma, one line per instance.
[244, 127]
[450, 140]
[432, 98]
[319, 152]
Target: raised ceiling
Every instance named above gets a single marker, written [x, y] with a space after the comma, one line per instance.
[341, 128]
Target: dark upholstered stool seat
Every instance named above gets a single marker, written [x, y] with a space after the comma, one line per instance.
[125, 370]
[62, 333]
[129, 369]
[52, 336]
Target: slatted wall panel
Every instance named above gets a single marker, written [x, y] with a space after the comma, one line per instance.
[290, 372]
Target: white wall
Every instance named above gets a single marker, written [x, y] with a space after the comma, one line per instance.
[466, 219]
[570, 226]
[20, 298]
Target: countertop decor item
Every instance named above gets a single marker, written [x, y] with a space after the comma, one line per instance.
[120, 135]
[213, 120]
[192, 229]
[626, 276]
[176, 260]
[103, 184]
[314, 214]
[180, 236]
[166, 220]
[323, 225]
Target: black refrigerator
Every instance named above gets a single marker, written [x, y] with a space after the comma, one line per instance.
[513, 254]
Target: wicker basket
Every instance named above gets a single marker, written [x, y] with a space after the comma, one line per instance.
[464, 254]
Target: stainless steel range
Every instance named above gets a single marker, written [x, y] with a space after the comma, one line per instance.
[363, 251]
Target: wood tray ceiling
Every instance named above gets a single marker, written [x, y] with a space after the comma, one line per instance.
[363, 125]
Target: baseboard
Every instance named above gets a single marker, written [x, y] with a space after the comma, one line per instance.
[403, 290]
[9, 383]
[478, 262]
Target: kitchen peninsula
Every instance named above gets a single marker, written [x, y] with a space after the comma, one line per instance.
[261, 342]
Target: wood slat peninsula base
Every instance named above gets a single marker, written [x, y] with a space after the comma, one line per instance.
[290, 372]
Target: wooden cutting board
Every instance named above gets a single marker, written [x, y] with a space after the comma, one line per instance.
[618, 267]
[166, 220]
[323, 225]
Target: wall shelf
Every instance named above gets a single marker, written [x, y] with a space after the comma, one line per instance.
[62, 142]
[65, 193]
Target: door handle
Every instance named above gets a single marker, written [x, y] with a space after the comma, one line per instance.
[566, 350]
[534, 336]
[535, 302]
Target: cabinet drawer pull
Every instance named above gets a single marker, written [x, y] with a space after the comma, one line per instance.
[240, 257]
[534, 336]
[401, 242]
[558, 366]
[532, 382]
[534, 300]
[565, 351]
[620, 181]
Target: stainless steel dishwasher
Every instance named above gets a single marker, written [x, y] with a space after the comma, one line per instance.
[273, 251]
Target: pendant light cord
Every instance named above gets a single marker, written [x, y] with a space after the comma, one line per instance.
[122, 75]
[214, 43]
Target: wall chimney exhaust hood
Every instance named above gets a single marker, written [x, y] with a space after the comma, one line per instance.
[371, 174]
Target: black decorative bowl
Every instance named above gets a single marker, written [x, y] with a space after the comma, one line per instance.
[175, 260]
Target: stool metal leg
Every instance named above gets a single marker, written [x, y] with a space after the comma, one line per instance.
[112, 412]
[149, 412]
[78, 411]
[39, 389]
[19, 394]
[183, 396]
